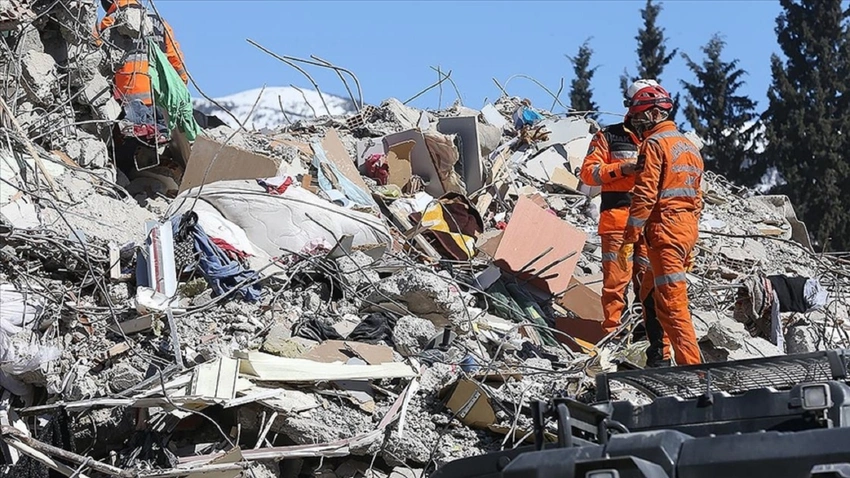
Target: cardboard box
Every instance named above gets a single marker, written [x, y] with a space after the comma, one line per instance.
[471, 404]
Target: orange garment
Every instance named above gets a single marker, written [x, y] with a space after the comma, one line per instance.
[132, 80]
[609, 149]
[666, 206]
[615, 280]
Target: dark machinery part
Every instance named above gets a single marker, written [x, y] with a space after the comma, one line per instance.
[785, 416]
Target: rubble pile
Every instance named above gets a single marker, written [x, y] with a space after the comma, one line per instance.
[370, 295]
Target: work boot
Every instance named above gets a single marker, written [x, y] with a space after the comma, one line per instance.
[656, 362]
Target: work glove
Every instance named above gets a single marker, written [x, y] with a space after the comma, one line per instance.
[624, 254]
[628, 169]
[689, 261]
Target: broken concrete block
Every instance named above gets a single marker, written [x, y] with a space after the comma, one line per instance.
[414, 447]
[86, 150]
[405, 116]
[124, 376]
[96, 92]
[29, 40]
[86, 61]
[411, 335]
[40, 80]
[801, 338]
[405, 472]
[727, 333]
[430, 296]
[279, 342]
[131, 22]
[108, 111]
[354, 271]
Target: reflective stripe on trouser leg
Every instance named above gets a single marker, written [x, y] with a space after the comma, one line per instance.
[615, 281]
[671, 303]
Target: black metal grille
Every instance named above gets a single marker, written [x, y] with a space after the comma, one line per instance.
[781, 372]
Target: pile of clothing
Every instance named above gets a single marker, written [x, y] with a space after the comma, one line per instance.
[761, 298]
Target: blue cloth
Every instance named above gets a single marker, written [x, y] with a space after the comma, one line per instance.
[222, 273]
[526, 116]
[348, 188]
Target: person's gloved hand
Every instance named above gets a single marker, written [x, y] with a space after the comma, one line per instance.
[628, 168]
[624, 254]
[689, 261]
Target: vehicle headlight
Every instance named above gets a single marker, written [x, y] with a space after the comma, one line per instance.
[602, 474]
[816, 396]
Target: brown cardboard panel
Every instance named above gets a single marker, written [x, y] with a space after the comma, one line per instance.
[489, 242]
[398, 160]
[303, 148]
[582, 301]
[530, 232]
[420, 159]
[565, 179]
[586, 332]
[470, 403]
[341, 351]
[231, 163]
[594, 281]
[337, 154]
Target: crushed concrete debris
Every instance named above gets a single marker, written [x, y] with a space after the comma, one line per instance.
[141, 312]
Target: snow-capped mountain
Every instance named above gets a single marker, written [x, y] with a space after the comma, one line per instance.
[268, 112]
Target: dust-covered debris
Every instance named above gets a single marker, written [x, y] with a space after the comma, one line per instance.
[135, 342]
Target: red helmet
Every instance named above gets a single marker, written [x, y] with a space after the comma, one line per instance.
[649, 97]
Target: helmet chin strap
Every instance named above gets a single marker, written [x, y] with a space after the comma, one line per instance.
[643, 121]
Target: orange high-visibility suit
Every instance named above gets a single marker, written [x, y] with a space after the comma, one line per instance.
[666, 205]
[132, 80]
[609, 149]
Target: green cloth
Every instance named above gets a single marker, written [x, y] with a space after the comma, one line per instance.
[171, 93]
[509, 301]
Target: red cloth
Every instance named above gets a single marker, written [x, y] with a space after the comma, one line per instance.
[274, 189]
[378, 169]
[231, 251]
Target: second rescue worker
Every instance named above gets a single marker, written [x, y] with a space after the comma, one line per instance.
[666, 206]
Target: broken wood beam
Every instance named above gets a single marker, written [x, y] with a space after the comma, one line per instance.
[44, 459]
[28, 143]
[14, 435]
[191, 472]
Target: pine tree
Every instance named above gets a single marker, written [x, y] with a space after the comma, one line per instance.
[651, 51]
[807, 123]
[723, 118]
[581, 94]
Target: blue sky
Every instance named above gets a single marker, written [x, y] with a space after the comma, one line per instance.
[390, 45]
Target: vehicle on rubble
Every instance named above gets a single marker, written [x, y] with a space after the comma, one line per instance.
[786, 416]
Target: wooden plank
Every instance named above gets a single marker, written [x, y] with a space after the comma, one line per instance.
[216, 379]
[269, 368]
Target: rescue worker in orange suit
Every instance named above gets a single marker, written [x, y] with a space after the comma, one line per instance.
[611, 163]
[665, 210]
[132, 80]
